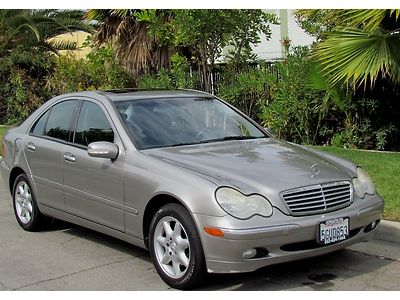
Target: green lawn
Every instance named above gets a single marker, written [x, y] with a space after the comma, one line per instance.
[2, 132]
[384, 168]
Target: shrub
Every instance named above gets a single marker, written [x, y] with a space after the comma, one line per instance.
[161, 80]
[23, 84]
[361, 129]
[178, 77]
[296, 111]
[99, 71]
[248, 90]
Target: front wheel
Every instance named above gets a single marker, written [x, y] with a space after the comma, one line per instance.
[175, 247]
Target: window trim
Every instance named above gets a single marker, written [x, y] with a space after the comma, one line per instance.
[50, 109]
[117, 137]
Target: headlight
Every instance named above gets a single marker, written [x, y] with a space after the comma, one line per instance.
[241, 206]
[363, 184]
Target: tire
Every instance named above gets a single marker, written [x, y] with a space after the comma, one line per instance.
[176, 252]
[25, 206]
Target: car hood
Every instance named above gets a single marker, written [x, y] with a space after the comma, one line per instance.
[266, 166]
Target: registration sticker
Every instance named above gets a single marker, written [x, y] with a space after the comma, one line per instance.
[332, 231]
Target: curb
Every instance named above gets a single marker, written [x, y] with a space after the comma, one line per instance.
[388, 231]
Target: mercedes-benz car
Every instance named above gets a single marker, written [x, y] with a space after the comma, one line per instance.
[187, 176]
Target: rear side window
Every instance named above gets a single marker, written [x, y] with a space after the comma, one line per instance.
[60, 119]
[93, 125]
[38, 128]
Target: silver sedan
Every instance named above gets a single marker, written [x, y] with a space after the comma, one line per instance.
[187, 176]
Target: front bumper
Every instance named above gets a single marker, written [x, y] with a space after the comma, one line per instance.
[285, 238]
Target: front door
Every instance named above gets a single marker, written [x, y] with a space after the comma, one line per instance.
[94, 186]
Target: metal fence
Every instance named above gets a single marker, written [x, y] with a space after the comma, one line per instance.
[223, 73]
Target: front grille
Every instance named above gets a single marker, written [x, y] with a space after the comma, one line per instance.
[318, 198]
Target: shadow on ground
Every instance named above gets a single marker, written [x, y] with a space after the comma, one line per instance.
[327, 272]
[318, 273]
[100, 238]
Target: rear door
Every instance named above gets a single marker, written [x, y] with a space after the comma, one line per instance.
[94, 186]
[44, 147]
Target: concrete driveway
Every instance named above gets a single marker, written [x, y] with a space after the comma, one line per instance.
[69, 257]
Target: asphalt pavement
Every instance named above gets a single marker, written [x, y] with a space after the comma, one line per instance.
[69, 257]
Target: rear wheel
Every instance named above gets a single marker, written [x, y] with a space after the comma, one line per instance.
[25, 206]
[175, 247]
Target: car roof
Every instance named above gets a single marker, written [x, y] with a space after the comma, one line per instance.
[136, 94]
[133, 94]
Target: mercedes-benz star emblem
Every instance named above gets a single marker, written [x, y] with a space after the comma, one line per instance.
[314, 170]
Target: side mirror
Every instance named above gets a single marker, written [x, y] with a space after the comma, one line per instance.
[270, 131]
[103, 150]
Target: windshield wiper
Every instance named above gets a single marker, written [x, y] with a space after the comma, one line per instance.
[180, 144]
[231, 138]
[226, 138]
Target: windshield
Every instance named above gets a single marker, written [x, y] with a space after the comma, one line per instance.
[155, 123]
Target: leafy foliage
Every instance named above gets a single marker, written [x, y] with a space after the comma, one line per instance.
[362, 129]
[30, 79]
[247, 26]
[178, 77]
[295, 111]
[356, 47]
[359, 57]
[26, 60]
[23, 88]
[248, 90]
[34, 30]
[100, 70]
[139, 50]
[206, 32]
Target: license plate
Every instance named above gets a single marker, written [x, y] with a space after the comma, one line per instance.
[332, 231]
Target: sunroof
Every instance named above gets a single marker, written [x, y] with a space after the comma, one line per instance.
[130, 90]
[122, 91]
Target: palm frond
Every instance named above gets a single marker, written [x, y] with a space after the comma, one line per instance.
[99, 15]
[359, 57]
[33, 28]
[326, 19]
[368, 19]
[134, 45]
[321, 83]
[53, 23]
[122, 13]
[62, 45]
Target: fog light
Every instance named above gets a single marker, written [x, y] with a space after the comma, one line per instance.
[373, 224]
[249, 253]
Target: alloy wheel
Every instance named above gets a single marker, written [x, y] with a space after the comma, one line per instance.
[23, 202]
[172, 247]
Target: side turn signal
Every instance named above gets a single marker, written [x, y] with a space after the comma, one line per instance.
[214, 231]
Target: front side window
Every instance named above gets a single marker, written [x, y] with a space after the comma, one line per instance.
[155, 123]
[93, 125]
[59, 122]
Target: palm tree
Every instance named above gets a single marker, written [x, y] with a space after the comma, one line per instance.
[35, 29]
[363, 46]
[134, 44]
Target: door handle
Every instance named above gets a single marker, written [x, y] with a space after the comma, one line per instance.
[69, 157]
[31, 146]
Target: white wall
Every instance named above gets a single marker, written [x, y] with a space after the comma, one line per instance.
[272, 49]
